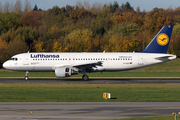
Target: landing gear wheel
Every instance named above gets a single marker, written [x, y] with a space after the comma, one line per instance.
[26, 78]
[85, 77]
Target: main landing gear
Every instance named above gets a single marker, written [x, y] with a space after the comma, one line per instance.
[85, 77]
[26, 77]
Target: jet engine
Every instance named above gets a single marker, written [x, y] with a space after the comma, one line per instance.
[65, 72]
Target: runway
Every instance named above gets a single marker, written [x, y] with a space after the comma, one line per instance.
[85, 110]
[92, 80]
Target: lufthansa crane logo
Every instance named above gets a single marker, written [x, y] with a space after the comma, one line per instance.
[162, 39]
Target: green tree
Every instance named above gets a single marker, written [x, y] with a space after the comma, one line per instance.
[8, 21]
[69, 8]
[56, 10]
[177, 19]
[105, 11]
[35, 8]
[174, 47]
[101, 25]
[176, 28]
[159, 10]
[126, 7]
[79, 41]
[24, 34]
[124, 29]
[114, 6]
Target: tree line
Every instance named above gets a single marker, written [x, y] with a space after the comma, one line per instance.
[83, 28]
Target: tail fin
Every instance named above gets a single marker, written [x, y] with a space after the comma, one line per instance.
[161, 41]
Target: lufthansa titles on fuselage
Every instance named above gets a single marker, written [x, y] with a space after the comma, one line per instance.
[44, 56]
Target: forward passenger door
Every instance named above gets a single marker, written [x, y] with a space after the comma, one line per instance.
[26, 59]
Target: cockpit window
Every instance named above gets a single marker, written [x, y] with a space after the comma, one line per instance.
[14, 59]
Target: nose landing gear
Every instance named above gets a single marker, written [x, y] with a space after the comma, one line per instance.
[26, 77]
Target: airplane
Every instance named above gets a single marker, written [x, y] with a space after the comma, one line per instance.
[67, 64]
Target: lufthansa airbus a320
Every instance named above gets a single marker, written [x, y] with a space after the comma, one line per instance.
[67, 64]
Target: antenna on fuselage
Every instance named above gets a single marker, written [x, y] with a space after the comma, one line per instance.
[104, 51]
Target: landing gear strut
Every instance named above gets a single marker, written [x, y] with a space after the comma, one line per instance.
[26, 77]
[85, 77]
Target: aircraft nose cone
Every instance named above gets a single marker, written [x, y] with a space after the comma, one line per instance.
[5, 65]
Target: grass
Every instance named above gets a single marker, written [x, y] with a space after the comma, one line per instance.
[152, 118]
[168, 69]
[38, 92]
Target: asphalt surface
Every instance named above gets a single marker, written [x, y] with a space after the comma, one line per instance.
[85, 110]
[92, 80]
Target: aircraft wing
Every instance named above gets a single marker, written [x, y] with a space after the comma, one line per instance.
[88, 65]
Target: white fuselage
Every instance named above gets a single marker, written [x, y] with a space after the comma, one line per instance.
[110, 61]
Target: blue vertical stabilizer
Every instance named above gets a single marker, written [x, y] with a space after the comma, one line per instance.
[161, 41]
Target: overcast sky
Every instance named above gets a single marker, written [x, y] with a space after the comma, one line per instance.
[146, 5]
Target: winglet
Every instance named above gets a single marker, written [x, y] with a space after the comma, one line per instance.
[161, 41]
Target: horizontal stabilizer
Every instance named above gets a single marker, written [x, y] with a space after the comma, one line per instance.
[166, 58]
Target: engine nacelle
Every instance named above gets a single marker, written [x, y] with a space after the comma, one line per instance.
[65, 72]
